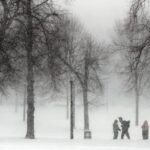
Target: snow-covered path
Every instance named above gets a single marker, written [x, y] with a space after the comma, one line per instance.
[52, 130]
[61, 144]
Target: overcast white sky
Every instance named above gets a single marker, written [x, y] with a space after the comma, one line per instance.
[99, 16]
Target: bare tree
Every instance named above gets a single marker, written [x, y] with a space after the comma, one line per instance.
[30, 21]
[87, 59]
[8, 42]
[39, 46]
[139, 28]
[38, 18]
[134, 43]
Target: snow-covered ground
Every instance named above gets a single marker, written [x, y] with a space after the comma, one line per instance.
[52, 129]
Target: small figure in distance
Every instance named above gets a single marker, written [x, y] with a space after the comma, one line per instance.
[145, 130]
[125, 127]
[116, 129]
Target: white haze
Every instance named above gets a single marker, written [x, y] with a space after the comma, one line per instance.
[100, 16]
[52, 129]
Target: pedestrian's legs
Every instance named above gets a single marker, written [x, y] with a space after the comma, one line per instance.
[145, 135]
[122, 135]
[115, 135]
[127, 134]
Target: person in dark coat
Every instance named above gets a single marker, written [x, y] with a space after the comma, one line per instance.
[125, 127]
[116, 129]
[145, 130]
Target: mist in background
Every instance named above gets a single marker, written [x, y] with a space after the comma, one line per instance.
[99, 17]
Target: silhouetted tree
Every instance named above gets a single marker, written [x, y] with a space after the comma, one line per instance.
[87, 60]
[133, 41]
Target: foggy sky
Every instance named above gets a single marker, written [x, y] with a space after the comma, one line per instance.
[99, 16]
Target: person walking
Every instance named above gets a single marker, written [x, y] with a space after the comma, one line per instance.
[125, 128]
[116, 129]
[145, 130]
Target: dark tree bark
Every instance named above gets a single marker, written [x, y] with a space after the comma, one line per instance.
[85, 97]
[67, 101]
[30, 74]
[16, 101]
[137, 97]
[24, 104]
[71, 111]
[86, 113]
[87, 132]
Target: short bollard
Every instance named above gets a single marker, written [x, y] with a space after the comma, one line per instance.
[87, 134]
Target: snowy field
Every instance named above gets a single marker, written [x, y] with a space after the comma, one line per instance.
[52, 129]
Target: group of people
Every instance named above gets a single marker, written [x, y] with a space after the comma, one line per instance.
[125, 129]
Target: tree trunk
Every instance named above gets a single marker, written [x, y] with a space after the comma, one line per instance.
[1, 100]
[85, 96]
[16, 102]
[87, 133]
[71, 111]
[137, 107]
[24, 104]
[73, 90]
[136, 101]
[67, 101]
[86, 113]
[30, 75]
